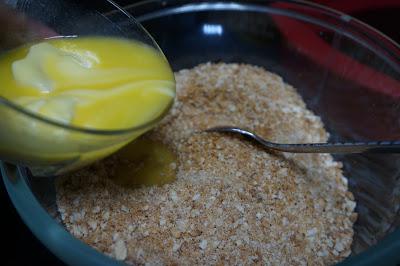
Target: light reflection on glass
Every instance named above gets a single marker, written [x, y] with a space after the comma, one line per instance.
[213, 29]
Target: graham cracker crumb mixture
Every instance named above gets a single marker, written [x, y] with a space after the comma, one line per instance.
[232, 202]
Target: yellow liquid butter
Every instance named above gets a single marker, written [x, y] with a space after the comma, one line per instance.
[144, 162]
[100, 83]
[92, 82]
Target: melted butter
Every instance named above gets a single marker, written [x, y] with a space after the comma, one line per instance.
[145, 163]
[94, 82]
[91, 82]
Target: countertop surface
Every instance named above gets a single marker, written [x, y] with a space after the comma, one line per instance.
[20, 246]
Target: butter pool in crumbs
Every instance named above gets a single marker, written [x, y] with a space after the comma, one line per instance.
[232, 203]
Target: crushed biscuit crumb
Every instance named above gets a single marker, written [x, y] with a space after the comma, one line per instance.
[232, 202]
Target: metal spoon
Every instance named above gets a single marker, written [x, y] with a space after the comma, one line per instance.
[334, 147]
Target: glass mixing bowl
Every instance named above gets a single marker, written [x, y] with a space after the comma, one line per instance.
[347, 73]
[46, 146]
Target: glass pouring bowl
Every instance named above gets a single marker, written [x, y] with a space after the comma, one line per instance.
[346, 72]
[45, 146]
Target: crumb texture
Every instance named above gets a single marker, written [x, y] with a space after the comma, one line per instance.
[232, 202]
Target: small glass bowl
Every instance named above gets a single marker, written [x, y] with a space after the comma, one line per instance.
[48, 147]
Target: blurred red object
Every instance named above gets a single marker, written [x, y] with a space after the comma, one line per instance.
[381, 14]
[308, 40]
[348, 6]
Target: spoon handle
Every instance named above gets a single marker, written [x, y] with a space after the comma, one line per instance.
[334, 147]
[337, 147]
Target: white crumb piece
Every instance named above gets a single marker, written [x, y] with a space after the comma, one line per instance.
[203, 244]
[173, 196]
[176, 247]
[106, 215]
[312, 232]
[323, 253]
[115, 237]
[339, 246]
[124, 208]
[120, 251]
[96, 209]
[196, 197]
[162, 222]
[93, 224]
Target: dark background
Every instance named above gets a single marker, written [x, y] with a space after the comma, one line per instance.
[20, 247]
